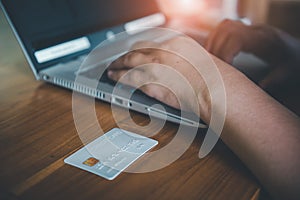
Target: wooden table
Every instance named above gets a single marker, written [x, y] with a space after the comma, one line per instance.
[37, 132]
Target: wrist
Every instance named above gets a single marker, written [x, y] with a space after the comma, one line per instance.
[214, 94]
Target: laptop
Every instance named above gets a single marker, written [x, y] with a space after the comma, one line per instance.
[56, 37]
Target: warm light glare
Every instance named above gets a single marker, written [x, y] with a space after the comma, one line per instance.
[187, 4]
[208, 12]
[175, 8]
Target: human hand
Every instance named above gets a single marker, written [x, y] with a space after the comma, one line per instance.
[268, 43]
[161, 71]
[231, 37]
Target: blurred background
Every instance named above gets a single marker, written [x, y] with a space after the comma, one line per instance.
[283, 14]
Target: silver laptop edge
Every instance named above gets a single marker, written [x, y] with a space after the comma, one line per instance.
[119, 100]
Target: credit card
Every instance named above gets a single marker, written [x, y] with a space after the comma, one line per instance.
[110, 154]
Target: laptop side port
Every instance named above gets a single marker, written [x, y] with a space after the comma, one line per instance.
[117, 100]
[129, 104]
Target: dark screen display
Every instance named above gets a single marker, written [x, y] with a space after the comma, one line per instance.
[48, 22]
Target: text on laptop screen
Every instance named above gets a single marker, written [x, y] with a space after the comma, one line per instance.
[46, 23]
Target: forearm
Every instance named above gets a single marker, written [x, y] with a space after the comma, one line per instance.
[261, 132]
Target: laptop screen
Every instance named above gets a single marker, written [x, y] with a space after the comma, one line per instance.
[45, 23]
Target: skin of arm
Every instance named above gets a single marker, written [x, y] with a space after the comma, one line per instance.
[264, 135]
[259, 130]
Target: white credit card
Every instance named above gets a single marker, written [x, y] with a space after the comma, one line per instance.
[110, 154]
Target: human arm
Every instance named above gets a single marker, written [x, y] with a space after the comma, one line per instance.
[264, 135]
[261, 132]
